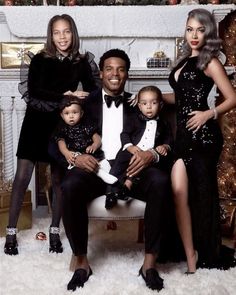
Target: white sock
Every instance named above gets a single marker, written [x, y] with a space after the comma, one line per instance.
[105, 165]
[106, 177]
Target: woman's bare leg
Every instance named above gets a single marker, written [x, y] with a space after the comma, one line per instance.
[179, 181]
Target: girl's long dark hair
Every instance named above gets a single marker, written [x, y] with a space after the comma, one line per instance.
[50, 48]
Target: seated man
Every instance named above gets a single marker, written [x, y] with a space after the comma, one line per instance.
[109, 107]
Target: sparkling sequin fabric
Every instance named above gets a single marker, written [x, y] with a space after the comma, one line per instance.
[78, 137]
[200, 153]
[191, 91]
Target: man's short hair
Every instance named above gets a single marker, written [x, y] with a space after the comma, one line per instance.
[114, 53]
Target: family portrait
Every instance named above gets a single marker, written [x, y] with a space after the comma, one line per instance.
[133, 169]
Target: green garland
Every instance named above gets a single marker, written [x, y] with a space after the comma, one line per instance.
[88, 2]
[101, 2]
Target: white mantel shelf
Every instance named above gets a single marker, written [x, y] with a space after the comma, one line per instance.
[134, 73]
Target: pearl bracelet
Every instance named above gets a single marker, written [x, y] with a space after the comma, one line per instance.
[215, 114]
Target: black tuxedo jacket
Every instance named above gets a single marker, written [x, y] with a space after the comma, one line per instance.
[134, 129]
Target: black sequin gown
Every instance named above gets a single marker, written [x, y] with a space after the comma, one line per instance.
[200, 153]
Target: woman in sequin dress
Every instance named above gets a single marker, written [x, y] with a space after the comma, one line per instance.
[199, 141]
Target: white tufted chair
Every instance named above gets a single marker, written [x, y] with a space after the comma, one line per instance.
[131, 210]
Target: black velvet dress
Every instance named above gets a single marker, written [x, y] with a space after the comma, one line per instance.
[48, 79]
[200, 153]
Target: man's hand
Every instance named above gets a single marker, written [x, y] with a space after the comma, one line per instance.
[133, 149]
[138, 162]
[87, 163]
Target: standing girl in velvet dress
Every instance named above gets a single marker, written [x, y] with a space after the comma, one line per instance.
[199, 141]
[53, 73]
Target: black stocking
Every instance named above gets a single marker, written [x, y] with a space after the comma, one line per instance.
[56, 175]
[21, 181]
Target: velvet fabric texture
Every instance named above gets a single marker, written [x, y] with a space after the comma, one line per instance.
[48, 79]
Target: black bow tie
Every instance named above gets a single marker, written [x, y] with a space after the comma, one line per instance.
[144, 118]
[109, 99]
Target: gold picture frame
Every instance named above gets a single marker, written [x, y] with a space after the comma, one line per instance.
[178, 47]
[13, 53]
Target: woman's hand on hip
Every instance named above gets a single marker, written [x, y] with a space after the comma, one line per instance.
[197, 120]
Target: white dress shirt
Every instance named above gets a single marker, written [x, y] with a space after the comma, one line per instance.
[148, 139]
[111, 128]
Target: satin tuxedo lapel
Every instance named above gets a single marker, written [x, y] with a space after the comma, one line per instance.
[128, 110]
[93, 108]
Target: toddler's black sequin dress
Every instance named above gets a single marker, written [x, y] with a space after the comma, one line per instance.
[200, 153]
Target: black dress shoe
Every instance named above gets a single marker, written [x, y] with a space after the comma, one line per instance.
[80, 276]
[55, 245]
[10, 248]
[189, 272]
[111, 200]
[152, 279]
[125, 194]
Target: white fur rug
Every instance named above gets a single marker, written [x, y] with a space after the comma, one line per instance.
[115, 259]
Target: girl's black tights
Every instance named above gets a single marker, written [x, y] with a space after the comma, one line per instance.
[21, 181]
[20, 184]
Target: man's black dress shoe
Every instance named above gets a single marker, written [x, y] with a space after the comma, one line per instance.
[152, 279]
[125, 194]
[80, 276]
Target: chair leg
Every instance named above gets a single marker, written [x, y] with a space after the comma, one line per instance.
[140, 230]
